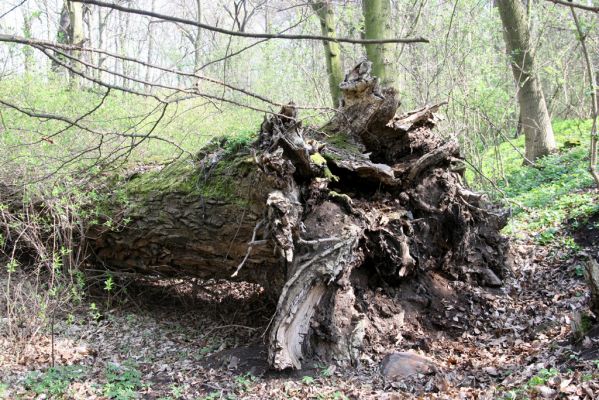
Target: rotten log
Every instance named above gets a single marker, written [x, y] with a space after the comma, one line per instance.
[328, 220]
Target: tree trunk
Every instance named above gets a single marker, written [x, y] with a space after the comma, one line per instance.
[535, 120]
[377, 25]
[70, 31]
[27, 50]
[100, 57]
[351, 226]
[197, 44]
[77, 38]
[332, 50]
[150, 53]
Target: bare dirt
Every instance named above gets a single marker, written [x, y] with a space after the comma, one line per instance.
[585, 232]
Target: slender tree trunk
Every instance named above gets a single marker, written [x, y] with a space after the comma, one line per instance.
[62, 33]
[150, 49]
[77, 38]
[70, 31]
[594, 106]
[536, 123]
[27, 50]
[332, 50]
[101, 25]
[197, 45]
[377, 25]
[124, 23]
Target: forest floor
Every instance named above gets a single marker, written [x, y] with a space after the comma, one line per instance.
[207, 343]
[532, 338]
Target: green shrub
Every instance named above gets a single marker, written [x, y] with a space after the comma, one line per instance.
[55, 381]
[123, 381]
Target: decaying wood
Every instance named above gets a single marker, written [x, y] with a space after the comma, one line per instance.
[592, 275]
[324, 220]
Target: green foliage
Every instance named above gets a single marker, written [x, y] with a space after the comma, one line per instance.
[326, 371]
[94, 312]
[54, 382]
[547, 195]
[3, 390]
[307, 380]
[238, 140]
[109, 284]
[542, 377]
[35, 148]
[244, 382]
[522, 392]
[12, 265]
[123, 381]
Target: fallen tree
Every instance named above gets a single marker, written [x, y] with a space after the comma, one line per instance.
[330, 220]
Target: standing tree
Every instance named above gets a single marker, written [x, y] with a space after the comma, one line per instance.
[70, 31]
[377, 25]
[194, 36]
[332, 50]
[534, 117]
[150, 52]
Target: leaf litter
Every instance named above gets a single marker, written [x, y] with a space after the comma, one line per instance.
[205, 340]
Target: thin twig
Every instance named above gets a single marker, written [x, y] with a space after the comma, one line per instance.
[251, 245]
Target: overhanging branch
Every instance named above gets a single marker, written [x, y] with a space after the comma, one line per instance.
[576, 5]
[246, 34]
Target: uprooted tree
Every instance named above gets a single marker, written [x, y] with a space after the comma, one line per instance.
[330, 220]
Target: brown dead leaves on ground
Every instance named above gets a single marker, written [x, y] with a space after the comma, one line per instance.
[513, 342]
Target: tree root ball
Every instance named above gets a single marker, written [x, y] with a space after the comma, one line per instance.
[363, 229]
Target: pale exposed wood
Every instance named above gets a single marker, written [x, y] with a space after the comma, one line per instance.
[592, 274]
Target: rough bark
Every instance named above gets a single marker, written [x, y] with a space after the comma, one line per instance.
[592, 275]
[333, 221]
[377, 25]
[535, 120]
[332, 50]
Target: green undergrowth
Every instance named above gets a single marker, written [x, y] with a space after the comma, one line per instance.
[42, 145]
[545, 197]
[119, 382]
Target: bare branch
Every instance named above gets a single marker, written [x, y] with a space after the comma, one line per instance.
[44, 45]
[12, 9]
[576, 5]
[246, 34]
